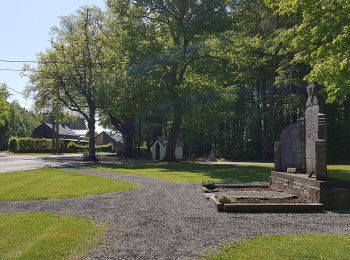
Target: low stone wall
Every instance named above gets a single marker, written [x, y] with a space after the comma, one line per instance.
[306, 189]
[333, 194]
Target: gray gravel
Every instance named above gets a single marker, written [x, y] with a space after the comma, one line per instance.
[164, 220]
[256, 194]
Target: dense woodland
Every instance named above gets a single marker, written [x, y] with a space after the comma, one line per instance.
[221, 75]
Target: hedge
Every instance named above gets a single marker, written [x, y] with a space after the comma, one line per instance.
[28, 145]
[34, 145]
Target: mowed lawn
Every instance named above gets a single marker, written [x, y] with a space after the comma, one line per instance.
[195, 173]
[306, 246]
[191, 172]
[51, 183]
[46, 236]
[339, 172]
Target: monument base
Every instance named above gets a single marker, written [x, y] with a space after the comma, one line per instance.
[332, 194]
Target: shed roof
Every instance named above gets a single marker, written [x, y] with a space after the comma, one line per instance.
[63, 129]
[164, 141]
[115, 136]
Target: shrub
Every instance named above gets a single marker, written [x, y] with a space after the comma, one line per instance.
[209, 184]
[23, 145]
[73, 147]
[104, 148]
[13, 144]
[226, 199]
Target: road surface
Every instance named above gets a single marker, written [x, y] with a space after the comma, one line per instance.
[10, 163]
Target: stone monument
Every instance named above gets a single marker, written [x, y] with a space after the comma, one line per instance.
[301, 155]
[315, 142]
[212, 157]
[303, 144]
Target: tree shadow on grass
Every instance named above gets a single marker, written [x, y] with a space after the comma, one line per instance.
[339, 175]
[194, 172]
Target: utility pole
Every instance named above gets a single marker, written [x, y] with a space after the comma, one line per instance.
[52, 116]
[57, 137]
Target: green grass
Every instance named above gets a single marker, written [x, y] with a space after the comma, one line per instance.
[305, 246]
[195, 173]
[46, 236]
[191, 172]
[52, 183]
[339, 172]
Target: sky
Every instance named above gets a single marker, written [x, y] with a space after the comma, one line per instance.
[25, 31]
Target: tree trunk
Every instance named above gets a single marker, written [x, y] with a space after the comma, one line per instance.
[92, 147]
[128, 132]
[173, 137]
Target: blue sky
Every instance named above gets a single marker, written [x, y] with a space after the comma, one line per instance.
[24, 32]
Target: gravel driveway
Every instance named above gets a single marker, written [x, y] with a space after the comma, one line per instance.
[165, 220]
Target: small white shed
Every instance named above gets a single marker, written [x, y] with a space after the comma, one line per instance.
[159, 146]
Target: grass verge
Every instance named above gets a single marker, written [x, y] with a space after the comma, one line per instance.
[307, 246]
[339, 172]
[46, 236]
[50, 183]
[191, 172]
[195, 173]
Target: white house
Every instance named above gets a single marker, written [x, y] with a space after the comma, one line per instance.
[159, 148]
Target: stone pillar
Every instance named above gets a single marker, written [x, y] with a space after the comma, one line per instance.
[311, 126]
[277, 156]
[321, 160]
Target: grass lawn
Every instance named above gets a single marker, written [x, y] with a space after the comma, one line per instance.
[339, 172]
[195, 173]
[287, 247]
[46, 236]
[50, 183]
[191, 172]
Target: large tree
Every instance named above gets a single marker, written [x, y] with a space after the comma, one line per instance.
[69, 71]
[180, 27]
[320, 39]
[127, 94]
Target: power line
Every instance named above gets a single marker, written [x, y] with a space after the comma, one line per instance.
[19, 61]
[25, 96]
[21, 103]
[14, 70]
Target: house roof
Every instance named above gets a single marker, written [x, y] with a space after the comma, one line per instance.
[81, 132]
[63, 129]
[115, 136]
[164, 141]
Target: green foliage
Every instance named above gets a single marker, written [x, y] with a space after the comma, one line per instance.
[21, 122]
[226, 199]
[321, 39]
[4, 105]
[71, 70]
[73, 147]
[305, 246]
[13, 144]
[104, 148]
[209, 184]
[25, 145]
[56, 236]
[55, 184]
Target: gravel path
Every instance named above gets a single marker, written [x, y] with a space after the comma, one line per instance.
[164, 220]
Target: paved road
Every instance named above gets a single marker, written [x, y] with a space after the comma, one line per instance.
[10, 163]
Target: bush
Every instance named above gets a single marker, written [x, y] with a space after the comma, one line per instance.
[29, 145]
[13, 144]
[104, 148]
[209, 184]
[73, 147]
[226, 199]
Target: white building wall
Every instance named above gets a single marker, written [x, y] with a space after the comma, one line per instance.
[178, 151]
[179, 154]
